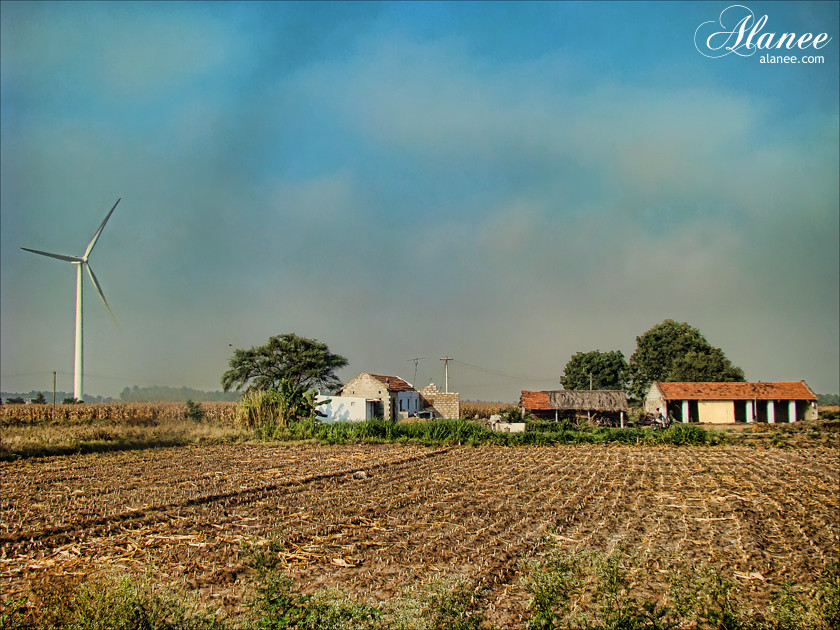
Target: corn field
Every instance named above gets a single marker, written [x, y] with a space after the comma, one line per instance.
[121, 411]
[483, 409]
[118, 412]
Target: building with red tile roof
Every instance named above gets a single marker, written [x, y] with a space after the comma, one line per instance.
[722, 403]
[391, 396]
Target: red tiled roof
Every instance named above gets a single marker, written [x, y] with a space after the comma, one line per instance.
[535, 401]
[797, 390]
[394, 383]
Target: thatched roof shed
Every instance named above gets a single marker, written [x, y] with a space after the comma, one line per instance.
[602, 400]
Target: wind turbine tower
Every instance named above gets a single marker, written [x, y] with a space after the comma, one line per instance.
[81, 263]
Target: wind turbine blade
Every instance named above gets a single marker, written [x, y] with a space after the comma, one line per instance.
[99, 291]
[73, 259]
[99, 231]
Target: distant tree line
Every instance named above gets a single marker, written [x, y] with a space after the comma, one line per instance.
[162, 393]
[156, 393]
[45, 396]
[828, 400]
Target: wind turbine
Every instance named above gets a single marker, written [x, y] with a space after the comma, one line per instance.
[81, 262]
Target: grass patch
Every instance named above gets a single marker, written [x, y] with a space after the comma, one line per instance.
[580, 590]
[784, 435]
[585, 590]
[442, 604]
[84, 435]
[377, 431]
[113, 602]
[447, 432]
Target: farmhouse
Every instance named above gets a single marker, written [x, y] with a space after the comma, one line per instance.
[722, 403]
[552, 404]
[390, 396]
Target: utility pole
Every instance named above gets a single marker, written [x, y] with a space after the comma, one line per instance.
[416, 361]
[53, 413]
[589, 412]
[446, 361]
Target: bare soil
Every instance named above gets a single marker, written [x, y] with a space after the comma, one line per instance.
[374, 521]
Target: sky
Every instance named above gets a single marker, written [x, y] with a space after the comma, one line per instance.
[505, 184]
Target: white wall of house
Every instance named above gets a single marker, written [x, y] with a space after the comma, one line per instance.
[408, 402]
[655, 399]
[345, 408]
[369, 387]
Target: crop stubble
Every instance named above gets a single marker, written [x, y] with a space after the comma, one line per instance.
[375, 520]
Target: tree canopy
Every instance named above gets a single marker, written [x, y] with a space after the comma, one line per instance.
[608, 370]
[675, 351]
[306, 362]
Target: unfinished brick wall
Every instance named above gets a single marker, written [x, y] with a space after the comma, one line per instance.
[444, 405]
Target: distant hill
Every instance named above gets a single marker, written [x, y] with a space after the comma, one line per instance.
[162, 393]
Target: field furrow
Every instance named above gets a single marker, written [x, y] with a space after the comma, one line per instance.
[374, 521]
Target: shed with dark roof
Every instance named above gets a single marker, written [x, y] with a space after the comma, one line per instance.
[551, 404]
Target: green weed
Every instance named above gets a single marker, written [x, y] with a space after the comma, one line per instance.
[108, 603]
[195, 412]
[585, 590]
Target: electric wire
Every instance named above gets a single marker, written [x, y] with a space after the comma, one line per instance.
[504, 374]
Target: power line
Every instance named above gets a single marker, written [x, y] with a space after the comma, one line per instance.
[109, 377]
[41, 373]
[416, 361]
[504, 374]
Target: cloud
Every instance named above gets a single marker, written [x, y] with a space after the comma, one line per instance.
[120, 52]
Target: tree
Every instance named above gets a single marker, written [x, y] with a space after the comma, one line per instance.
[195, 412]
[306, 362]
[40, 399]
[608, 370]
[675, 351]
[705, 368]
[828, 400]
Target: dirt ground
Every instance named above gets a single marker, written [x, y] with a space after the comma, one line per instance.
[376, 520]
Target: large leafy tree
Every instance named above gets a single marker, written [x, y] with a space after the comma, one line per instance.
[301, 361]
[675, 351]
[705, 367]
[608, 370]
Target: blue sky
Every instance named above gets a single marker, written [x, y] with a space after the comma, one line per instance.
[503, 183]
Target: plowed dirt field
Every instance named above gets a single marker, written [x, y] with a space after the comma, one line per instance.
[374, 520]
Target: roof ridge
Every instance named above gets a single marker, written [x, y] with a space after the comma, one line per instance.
[715, 390]
[393, 382]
